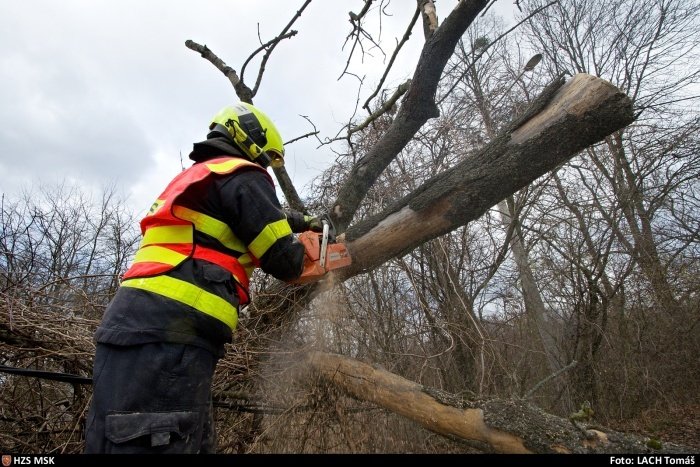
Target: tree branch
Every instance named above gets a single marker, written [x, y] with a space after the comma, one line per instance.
[267, 44]
[272, 44]
[562, 121]
[418, 107]
[400, 91]
[243, 92]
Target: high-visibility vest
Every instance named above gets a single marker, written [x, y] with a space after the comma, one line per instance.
[168, 240]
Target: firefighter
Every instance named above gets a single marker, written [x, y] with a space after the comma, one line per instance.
[177, 305]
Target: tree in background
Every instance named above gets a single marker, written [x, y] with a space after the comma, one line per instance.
[61, 255]
[616, 195]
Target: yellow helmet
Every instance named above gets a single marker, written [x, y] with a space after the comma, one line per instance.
[252, 131]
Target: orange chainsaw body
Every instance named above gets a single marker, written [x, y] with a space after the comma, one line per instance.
[337, 256]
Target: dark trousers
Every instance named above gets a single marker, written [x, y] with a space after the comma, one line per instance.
[151, 398]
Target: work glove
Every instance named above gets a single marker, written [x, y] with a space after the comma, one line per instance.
[301, 223]
[314, 224]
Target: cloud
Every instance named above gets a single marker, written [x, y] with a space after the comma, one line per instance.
[105, 91]
[64, 116]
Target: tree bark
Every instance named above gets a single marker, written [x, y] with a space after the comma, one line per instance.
[565, 119]
[502, 426]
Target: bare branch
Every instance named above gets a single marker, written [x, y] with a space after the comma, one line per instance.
[391, 102]
[404, 39]
[270, 46]
[313, 133]
[243, 92]
[358, 32]
[264, 47]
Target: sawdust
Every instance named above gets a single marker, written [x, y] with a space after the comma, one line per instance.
[284, 381]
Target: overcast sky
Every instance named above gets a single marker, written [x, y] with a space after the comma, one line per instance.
[104, 92]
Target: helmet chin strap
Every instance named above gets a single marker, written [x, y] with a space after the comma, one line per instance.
[263, 159]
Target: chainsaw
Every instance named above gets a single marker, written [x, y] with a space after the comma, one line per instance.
[323, 253]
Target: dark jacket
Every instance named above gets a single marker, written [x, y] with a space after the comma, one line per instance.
[246, 201]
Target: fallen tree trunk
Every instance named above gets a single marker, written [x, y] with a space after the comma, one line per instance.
[565, 119]
[502, 426]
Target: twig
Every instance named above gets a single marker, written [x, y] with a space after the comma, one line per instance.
[267, 44]
[357, 32]
[549, 378]
[400, 91]
[404, 39]
[301, 137]
[273, 43]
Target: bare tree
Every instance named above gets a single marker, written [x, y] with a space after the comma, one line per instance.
[60, 252]
[483, 75]
[642, 49]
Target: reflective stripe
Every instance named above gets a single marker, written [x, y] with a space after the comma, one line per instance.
[189, 294]
[212, 227]
[168, 234]
[159, 254]
[247, 262]
[269, 235]
[227, 166]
